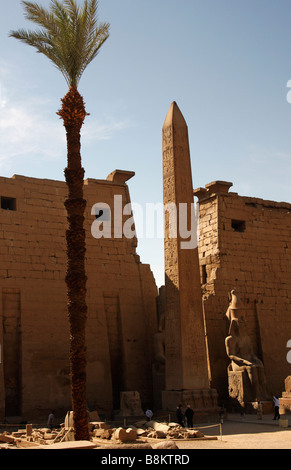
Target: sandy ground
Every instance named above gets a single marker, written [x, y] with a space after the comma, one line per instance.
[243, 433]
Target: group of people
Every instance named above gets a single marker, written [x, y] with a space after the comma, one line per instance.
[186, 418]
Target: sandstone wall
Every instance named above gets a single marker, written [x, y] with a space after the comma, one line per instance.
[245, 243]
[121, 302]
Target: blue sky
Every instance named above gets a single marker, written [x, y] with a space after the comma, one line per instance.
[226, 63]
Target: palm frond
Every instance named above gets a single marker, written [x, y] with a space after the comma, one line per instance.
[40, 16]
[69, 35]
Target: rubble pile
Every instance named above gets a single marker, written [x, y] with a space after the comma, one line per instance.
[32, 437]
[141, 431]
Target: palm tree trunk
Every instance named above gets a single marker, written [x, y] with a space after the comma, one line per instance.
[73, 114]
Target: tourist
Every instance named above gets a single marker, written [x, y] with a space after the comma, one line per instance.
[180, 415]
[149, 414]
[50, 419]
[276, 404]
[189, 413]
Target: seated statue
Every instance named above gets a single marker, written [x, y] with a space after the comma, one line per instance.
[240, 352]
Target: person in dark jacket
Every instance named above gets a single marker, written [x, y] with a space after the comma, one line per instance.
[276, 405]
[180, 415]
[189, 413]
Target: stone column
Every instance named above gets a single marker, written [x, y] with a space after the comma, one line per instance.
[186, 355]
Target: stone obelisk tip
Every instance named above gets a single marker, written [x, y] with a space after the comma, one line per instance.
[174, 116]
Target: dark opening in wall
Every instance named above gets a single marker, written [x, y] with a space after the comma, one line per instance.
[203, 274]
[238, 225]
[8, 203]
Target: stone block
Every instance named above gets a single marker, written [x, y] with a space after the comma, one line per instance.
[106, 433]
[195, 434]
[29, 429]
[285, 405]
[165, 445]
[100, 425]
[157, 435]
[161, 427]
[6, 438]
[69, 419]
[125, 435]
[288, 384]
[283, 423]
[97, 433]
[70, 445]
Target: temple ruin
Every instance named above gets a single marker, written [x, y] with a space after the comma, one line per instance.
[166, 346]
[34, 330]
[245, 244]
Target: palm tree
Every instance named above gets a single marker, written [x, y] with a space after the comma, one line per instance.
[71, 38]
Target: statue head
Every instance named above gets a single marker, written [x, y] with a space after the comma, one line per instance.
[235, 300]
[234, 305]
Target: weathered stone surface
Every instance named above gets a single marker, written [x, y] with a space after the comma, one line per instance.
[69, 419]
[288, 385]
[29, 429]
[118, 437]
[130, 403]
[125, 435]
[161, 427]
[101, 425]
[121, 297]
[25, 443]
[141, 431]
[195, 434]
[70, 445]
[186, 367]
[186, 358]
[156, 434]
[165, 445]
[6, 438]
[244, 242]
[126, 446]
[285, 401]
[98, 432]
[18, 433]
[106, 433]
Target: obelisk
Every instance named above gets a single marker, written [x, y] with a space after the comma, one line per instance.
[185, 346]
